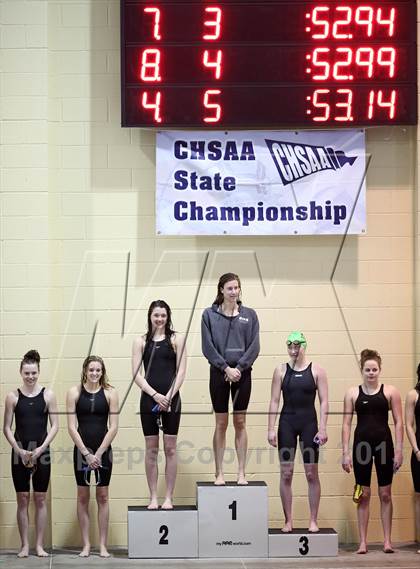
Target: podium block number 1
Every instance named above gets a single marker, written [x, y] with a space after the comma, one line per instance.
[232, 507]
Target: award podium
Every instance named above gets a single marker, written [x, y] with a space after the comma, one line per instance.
[230, 521]
[302, 543]
[162, 533]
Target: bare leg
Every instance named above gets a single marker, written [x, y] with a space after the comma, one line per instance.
[241, 443]
[169, 443]
[314, 494]
[83, 495]
[41, 516]
[152, 451]
[102, 499]
[417, 512]
[363, 519]
[219, 444]
[286, 477]
[386, 515]
[22, 499]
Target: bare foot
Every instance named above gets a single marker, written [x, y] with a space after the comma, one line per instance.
[103, 552]
[24, 552]
[418, 551]
[40, 551]
[167, 504]
[242, 481]
[362, 549]
[313, 527]
[85, 551]
[153, 504]
[220, 480]
[388, 548]
[287, 528]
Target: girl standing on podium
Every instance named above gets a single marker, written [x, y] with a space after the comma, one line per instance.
[372, 442]
[92, 419]
[32, 406]
[299, 382]
[412, 425]
[161, 352]
[230, 342]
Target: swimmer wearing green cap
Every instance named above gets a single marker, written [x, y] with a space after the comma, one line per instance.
[299, 381]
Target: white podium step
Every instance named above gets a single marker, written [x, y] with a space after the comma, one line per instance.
[232, 520]
[162, 533]
[301, 543]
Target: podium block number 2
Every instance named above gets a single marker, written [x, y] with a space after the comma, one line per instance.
[232, 507]
[163, 530]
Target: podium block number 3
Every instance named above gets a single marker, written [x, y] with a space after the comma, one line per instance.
[163, 530]
[304, 549]
[232, 507]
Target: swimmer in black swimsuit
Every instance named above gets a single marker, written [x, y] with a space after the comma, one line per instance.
[412, 426]
[91, 406]
[32, 406]
[230, 342]
[161, 356]
[372, 442]
[299, 381]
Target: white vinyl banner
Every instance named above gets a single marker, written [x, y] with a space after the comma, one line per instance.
[260, 183]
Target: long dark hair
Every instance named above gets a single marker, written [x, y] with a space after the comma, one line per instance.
[367, 354]
[104, 381]
[169, 331]
[31, 357]
[222, 281]
[417, 387]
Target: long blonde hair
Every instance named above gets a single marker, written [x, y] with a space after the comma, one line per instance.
[103, 382]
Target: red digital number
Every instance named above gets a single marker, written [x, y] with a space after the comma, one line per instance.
[211, 105]
[345, 104]
[156, 26]
[344, 100]
[215, 63]
[345, 22]
[319, 104]
[150, 65]
[365, 16]
[216, 23]
[317, 63]
[365, 20]
[347, 60]
[364, 58]
[318, 22]
[387, 22]
[378, 99]
[386, 58]
[155, 105]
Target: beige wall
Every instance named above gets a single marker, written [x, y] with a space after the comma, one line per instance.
[77, 196]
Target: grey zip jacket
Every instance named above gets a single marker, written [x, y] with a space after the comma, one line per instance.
[230, 340]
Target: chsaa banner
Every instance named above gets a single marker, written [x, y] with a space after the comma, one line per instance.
[260, 183]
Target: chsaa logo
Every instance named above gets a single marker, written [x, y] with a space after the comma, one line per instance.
[296, 161]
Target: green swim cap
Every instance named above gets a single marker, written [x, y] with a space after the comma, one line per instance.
[296, 337]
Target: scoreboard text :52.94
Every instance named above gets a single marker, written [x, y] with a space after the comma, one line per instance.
[268, 63]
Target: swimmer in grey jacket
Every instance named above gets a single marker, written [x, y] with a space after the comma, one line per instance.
[230, 342]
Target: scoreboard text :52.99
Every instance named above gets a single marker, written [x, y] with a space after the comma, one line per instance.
[268, 63]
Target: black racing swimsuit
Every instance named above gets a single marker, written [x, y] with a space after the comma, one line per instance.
[372, 439]
[31, 419]
[415, 464]
[298, 416]
[159, 360]
[92, 411]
